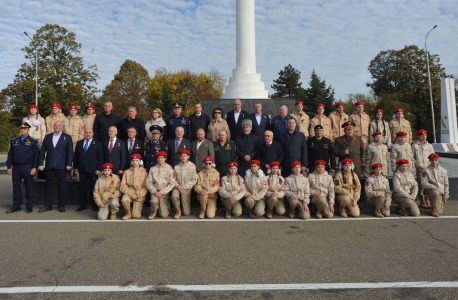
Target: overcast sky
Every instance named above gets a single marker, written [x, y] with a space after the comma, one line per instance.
[336, 38]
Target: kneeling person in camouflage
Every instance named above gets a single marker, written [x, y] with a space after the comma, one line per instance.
[107, 193]
[435, 182]
[405, 189]
[133, 186]
[256, 188]
[185, 179]
[297, 190]
[275, 193]
[378, 191]
[232, 189]
[347, 189]
[322, 190]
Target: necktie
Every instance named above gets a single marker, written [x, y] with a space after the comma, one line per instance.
[111, 146]
[131, 146]
[85, 146]
[177, 144]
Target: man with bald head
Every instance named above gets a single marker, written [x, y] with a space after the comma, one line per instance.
[114, 151]
[176, 144]
[235, 118]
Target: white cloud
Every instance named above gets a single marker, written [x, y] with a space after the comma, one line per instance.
[336, 38]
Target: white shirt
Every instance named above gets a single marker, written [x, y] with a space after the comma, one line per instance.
[109, 142]
[258, 118]
[88, 143]
[198, 115]
[55, 138]
[236, 116]
[199, 143]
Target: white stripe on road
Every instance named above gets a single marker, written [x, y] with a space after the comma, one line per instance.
[231, 220]
[229, 287]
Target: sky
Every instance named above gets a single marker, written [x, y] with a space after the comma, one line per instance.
[337, 39]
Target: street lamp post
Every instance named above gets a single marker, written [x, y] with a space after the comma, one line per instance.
[430, 88]
[36, 71]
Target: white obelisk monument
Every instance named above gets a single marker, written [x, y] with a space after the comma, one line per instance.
[245, 83]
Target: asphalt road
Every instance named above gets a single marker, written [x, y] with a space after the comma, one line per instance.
[226, 252]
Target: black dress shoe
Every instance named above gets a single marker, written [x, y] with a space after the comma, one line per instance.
[80, 208]
[44, 209]
[13, 210]
[61, 209]
[29, 210]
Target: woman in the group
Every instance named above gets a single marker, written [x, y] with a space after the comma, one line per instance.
[37, 123]
[232, 190]
[275, 193]
[348, 189]
[207, 188]
[156, 119]
[297, 190]
[256, 188]
[378, 124]
[378, 191]
[405, 189]
[322, 190]
[217, 124]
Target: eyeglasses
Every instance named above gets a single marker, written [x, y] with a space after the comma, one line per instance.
[208, 163]
[217, 112]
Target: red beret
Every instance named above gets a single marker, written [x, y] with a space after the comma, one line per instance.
[320, 162]
[376, 133]
[90, 105]
[56, 105]
[33, 106]
[184, 151]
[319, 105]
[73, 106]
[232, 164]
[299, 102]
[433, 155]
[421, 131]
[338, 104]
[135, 156]
[402, 162]
[296, 163]
[346, 161]
[208, 158]
[359, 103]
[274, 164]
[401, 133]
[377, 165]
[398, 110]
[107, 166]
[160, 153]
[255, 162]
[378, 110]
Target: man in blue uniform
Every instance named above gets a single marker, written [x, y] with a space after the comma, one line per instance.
[156, 145]
[23, 155]
[279, 124]
[320, 148]
[176, 120]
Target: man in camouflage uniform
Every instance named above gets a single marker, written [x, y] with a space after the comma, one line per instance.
[89, 118]
[302, 118]
[297, 191]
[338, 117]
[421, 149]
[76, 131]
[133, 187]
[400, 124]
[377, 152]
[56, 115]
[321, 119]
[435, 182]
[362, 122]
[401, 150]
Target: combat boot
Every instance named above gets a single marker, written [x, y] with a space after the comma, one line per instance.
[113, 217]
[402, 212]
[319, 214]
[269, 213]
[377, 212]
[343, 212]
[428, 204]
[228, 213]
[177, 214]
[127, 216]
[434, 212]
[152, 215]
[252, 214]
[202, 213]
[423, 202]
[292, 211]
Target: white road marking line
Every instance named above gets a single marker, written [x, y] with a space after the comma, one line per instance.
[229, 287]
[231, 220]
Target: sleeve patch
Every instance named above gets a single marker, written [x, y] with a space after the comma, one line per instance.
[337, 182]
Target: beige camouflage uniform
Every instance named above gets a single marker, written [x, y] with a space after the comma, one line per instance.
[298, 185]
[51, 119]
[322, 184]
[232, 185]
[401, 151]
[75, 129]
[134, 183]
[361, 129]
[420, 152]
[397, 125]
[186, 176]
[105, 187]
[336, 123]
[276, 185]
[208, 180]
[375, 187]
[160, 179]
[344, 187]
[404, 186]
[303, 121]
[433, 179]
[377, 153]
[323, 121]
[256, 186]
[88, 121]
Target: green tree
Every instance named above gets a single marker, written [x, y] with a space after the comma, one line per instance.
[371, 102]
[130, 87]
[401, 77]
[318, 92]
[61, 73]
[8, 128]
[287, 85]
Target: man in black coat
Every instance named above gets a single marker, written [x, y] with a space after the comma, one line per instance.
[131, 121]
[294, 148]
[114, 151]
[198, 120]
[87, 162]
[246, 145]
[58, 149]
[260, 120]
[105, 120]
[133, 146]
[175, 145]
[269, 151]
[320, 148]
[235, 118]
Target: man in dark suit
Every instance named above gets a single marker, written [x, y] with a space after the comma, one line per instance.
[58, 149]
[294, 148]
[235, 118]
[269, 151]
[114, 151]
[200, 149]
[320, 148]
[154, 146]
[175, 145]
[131, 121]
[260, 120]
[246, 145]
[198, 120]
[133, 146]
[87, 162]
[104, 121]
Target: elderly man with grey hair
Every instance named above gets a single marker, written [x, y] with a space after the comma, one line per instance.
[246, 144]
[279, 124]
[225, 152]
[269, 151]
[131, 121]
